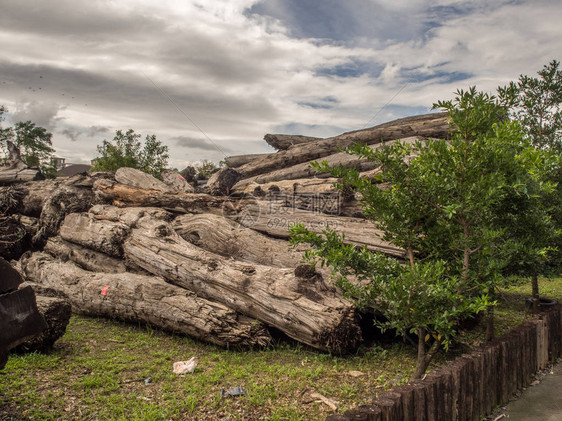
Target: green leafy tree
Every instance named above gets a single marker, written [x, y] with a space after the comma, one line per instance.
[536, 102]
[34, 143]
[419, 298]
[442, 206]
[127, 150]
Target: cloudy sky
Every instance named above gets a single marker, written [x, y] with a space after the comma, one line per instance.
[211, 77]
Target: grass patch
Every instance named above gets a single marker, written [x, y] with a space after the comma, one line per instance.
[97, 370]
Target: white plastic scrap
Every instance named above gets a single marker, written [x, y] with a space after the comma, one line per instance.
[183, 367]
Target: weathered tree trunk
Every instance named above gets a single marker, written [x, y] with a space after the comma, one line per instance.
[29, 198]
[311, 184]
[288, 187]
[104, 236]
[535, 293]
[176, 182]
[122, 195]
[283, 142]
[133, 297]
[137, 178]
[91, 237]
[74, 195]
[229, 239]
[86, 258]
[274, 219]
[221, 182]
[429, 125]
[56, 311]
[298, 307]
[238, 160]
[12, 175]
[305, 170]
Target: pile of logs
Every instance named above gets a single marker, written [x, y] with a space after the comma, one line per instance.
[211, 262]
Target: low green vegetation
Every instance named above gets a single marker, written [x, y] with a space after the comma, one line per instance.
[97, 370]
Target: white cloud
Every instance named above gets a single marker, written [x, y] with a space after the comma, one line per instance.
[154, 66]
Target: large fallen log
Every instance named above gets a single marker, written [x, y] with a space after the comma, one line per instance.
[29, 198]
[90, 238]
[274, 219]
[229, 239]
[12, 175]
[287, 187]
[303, 309]
[139, 298]
[282, 142]
[122, 195]
[104, 236]
[238, 160]
[429, 125]
[75, 194]
[142, 180]
[84, 257]
[129, 216]
[220, 183]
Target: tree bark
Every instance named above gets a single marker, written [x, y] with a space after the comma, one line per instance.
[132, 297]
[274, 219]
[287, 187]
[275, 296]
[137, 178]
[14, 175]
[86, 258]
[283, 142]
[239, 160]
[122, 195]
[424, 357]
[490, 323]
[220, 183]
[73, 195]
[535, 292]
[104, 236]
[229, 239]
[429, 125]
[20, 319]
[176, 182]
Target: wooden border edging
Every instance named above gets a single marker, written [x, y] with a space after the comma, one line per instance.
[472, 385]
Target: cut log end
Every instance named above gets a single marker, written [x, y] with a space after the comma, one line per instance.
[345, 337]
